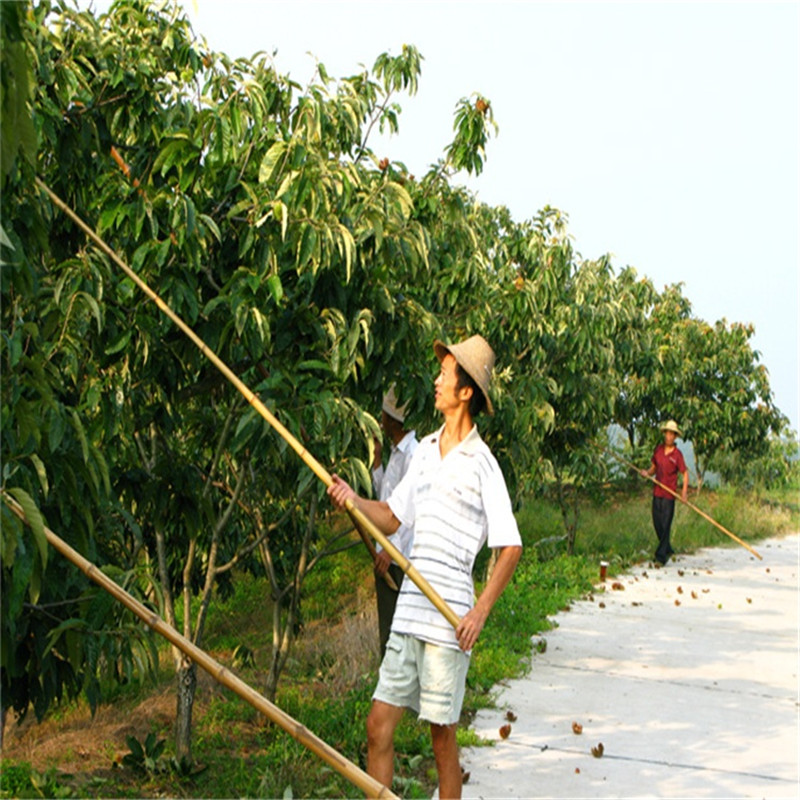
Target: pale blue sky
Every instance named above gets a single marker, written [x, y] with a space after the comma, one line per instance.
[668, 132]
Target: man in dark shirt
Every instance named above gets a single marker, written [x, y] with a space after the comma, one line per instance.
[666, 463]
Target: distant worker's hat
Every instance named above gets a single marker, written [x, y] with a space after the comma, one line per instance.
[671, 425]
[475, 357]
[391, 408]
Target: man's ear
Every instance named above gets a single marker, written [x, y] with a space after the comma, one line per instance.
[465, 397]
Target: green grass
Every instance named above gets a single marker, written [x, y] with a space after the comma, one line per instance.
[246, 756]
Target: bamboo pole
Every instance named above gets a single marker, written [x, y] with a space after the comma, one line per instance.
[685, 502]
[360, 779]
[363, 524]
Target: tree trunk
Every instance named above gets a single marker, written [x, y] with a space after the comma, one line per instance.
[700, 472]
[569, 512]
[281, 630]
[283, 623]
[187, 685]
[571, 522]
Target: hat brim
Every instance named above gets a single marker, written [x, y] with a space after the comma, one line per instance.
[441, 350]
[394, 413]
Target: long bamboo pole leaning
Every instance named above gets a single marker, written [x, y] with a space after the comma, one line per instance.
[678, 497]
[362, 523]
[360, 779]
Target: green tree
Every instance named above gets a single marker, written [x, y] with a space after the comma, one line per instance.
[778, 467]
[726, 400]
[261, 217]
[55, 638]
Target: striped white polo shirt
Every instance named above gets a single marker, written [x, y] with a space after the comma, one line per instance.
[454, 504]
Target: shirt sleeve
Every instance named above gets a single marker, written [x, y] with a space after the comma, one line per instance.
[681, 462]
[501, 525]
[377, 480]
[401, 500]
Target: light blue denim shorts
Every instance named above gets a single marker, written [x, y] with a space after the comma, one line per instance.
[424, 677]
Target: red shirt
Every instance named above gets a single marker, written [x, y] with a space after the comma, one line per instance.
[667, 469]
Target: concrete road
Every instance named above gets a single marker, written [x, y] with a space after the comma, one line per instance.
[687, 675]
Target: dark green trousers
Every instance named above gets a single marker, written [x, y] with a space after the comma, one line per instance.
[387, 600]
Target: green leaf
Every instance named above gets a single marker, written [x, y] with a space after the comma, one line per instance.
[314, 363]
[34, 518]
[78, 426]
[286, 183]
[275, 287]
[120, 344]
[306, 245]
[283, 212]
[162, 252]
[362, 472]
[349, 250]
[95, 309]
[139, 256]
[41, 473]
[135, 747]
[35, 584]
[211, 225]
[4, 240]
[270, 161]
[401, 195]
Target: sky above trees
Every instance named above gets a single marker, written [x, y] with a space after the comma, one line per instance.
[668, 132]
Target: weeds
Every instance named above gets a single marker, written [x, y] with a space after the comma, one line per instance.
[145, 757]
[21, 780]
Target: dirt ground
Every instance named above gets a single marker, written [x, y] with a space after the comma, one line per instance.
[86, 747]
[91, 746]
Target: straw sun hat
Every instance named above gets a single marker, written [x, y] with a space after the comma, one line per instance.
[390, 406]
[475, 357]
[671, 425]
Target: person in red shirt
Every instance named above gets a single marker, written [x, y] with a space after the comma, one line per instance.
[666, 463]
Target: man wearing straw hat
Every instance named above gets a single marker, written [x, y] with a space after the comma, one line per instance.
[666, 463]
[455, 496]
[403, 444]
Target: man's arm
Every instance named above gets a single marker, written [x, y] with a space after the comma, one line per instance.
[685, 488]
[377, 511]
[473, 621]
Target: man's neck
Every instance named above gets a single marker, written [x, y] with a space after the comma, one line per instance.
[398, 436]
[457, 426]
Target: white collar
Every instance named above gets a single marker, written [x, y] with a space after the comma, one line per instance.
[405, 442]
[468, 444]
